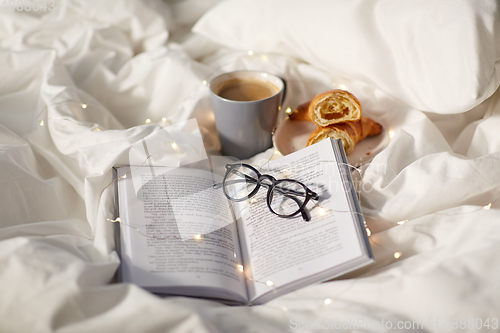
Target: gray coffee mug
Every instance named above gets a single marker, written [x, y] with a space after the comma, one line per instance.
[245, 127]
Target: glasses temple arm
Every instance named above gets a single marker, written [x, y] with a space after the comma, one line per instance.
[281, 190]
[286, 191]
[247, 179]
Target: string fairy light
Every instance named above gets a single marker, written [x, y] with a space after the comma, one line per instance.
[92, 126]
[42, 122]
[82, 105]
[239, 267]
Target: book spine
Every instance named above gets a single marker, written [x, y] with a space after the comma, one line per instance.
[343, 165]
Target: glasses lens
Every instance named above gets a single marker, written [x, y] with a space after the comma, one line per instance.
[287, 197]
[240, 182]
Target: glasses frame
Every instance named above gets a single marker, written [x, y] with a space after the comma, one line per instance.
[309, 194]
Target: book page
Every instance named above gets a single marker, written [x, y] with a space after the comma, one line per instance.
[279, 250]
[177, 231]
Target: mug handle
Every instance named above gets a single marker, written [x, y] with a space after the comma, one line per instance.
[284, 90]
[282, 101]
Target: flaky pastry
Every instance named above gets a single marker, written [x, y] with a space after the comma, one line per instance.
[350, 132]
[330, 107]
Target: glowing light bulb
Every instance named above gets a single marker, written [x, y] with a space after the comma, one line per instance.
[198, 237]
[42, 123]
[250, 52]
[204, 82]
[328, 301]
[148, 121]
[164, 119]
[322, 211]
[83, 105]
[488, 206]
[288, 110]
[391, 134]
[397, 255]
[240, 268]
[402, 222]
[368, 232]
[342, 86]
[269, 283]
[174, 145]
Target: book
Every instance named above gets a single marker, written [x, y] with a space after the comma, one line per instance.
[180, 235]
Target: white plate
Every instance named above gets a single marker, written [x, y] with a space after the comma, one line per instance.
[291, 136]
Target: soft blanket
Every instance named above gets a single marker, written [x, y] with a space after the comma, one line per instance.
[81, 84]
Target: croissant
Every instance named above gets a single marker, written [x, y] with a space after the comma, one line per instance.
[350, 132]
[330, 107]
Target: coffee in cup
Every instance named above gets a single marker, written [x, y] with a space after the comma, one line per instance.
[247, 89]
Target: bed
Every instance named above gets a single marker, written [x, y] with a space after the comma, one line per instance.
[83, 81]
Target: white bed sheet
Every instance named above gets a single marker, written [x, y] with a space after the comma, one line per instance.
[132, 61]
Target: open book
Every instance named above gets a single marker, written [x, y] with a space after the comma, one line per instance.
[180, 235]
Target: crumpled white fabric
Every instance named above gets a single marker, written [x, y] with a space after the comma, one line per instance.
[57, 254]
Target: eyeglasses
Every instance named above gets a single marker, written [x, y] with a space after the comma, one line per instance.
[285, 197]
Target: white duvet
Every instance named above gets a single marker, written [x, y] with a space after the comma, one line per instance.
[81, 84]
